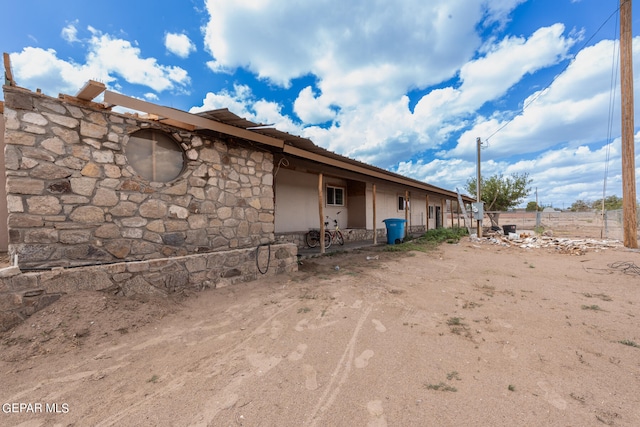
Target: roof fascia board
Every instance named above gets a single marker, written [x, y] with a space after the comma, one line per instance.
[354, 168]
[177, 124]
[189, 118]
[201, 122]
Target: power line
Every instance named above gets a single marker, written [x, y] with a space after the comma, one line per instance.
[612, 96]
[539, 94]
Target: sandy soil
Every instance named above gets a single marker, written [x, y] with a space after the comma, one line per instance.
[473, 333]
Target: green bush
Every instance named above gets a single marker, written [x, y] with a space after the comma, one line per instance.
[430, 240]
[449, 235]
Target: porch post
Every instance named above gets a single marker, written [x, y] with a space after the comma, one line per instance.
[375, 222]
[426, 228]
[451, 210]
[406, 213]
[321, 212]
[443, 205]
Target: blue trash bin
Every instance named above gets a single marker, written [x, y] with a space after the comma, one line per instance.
[395, 230]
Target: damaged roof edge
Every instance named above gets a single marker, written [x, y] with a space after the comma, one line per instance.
[188, 118]
[289, 144]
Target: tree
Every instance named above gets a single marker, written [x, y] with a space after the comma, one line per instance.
[533, 207]
[611, 203]
[500, 193]
[580, 206]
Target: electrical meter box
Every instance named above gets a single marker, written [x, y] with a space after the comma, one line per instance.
[478, 210]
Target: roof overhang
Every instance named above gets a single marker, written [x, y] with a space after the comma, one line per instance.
[225, 122]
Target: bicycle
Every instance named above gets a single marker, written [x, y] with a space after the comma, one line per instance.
[312, 238]
[336, 234]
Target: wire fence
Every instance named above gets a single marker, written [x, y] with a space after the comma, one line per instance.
[574, 224]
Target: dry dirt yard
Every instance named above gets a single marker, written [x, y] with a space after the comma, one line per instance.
[469, 334]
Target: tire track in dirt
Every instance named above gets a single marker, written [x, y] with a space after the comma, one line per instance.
[224, 398]
[344, 365]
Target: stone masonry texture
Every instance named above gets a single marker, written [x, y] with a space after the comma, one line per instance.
[23, 294]
[74, 199]
[80, 218]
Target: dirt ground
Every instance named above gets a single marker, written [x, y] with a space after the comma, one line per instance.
[474, 333]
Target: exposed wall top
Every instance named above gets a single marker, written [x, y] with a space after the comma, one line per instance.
[224, 121]
[74, 197]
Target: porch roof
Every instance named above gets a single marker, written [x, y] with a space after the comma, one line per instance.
[297, 145]
[226, 122]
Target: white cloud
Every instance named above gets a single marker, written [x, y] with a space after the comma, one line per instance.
[312, 109]
[42, 68]
[561, 175]
[365, 58]
[508, 61]
[574, 110]
[70, 32]
[366, 61]
[238, 101]
[386, 132]
[131, 65]
[358, 50]
[498, 11]
[243, 103]
[179, 44]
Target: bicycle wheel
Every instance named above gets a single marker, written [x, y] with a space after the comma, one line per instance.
[327, 239]
[312, 238]
[339, 237]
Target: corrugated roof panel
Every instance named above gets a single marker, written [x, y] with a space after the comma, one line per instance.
[225, 116]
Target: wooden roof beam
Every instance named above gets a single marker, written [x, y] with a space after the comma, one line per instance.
[177, 124]
[90, 90]
[8, 74]
[179, 118]
[188, 118]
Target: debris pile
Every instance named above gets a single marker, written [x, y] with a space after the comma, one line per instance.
[561, 244]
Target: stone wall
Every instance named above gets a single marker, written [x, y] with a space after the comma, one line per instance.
[349, 234]
[23, 294]
[74, 200]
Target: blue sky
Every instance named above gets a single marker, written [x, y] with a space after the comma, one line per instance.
[407, 86]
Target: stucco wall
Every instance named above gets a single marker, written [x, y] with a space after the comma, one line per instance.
[73, 199]
[387, 205]
[296, 201]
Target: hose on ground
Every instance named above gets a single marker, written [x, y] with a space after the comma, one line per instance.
[268, 257]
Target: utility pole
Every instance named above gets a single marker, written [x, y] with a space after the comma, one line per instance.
[478, 190]
[629, 216]
[537, 211]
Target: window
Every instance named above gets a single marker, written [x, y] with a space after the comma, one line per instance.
[401, 203]
[335, 196]
[154, 155]
[430, 212]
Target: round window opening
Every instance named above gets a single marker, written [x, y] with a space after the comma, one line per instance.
[154, 155]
